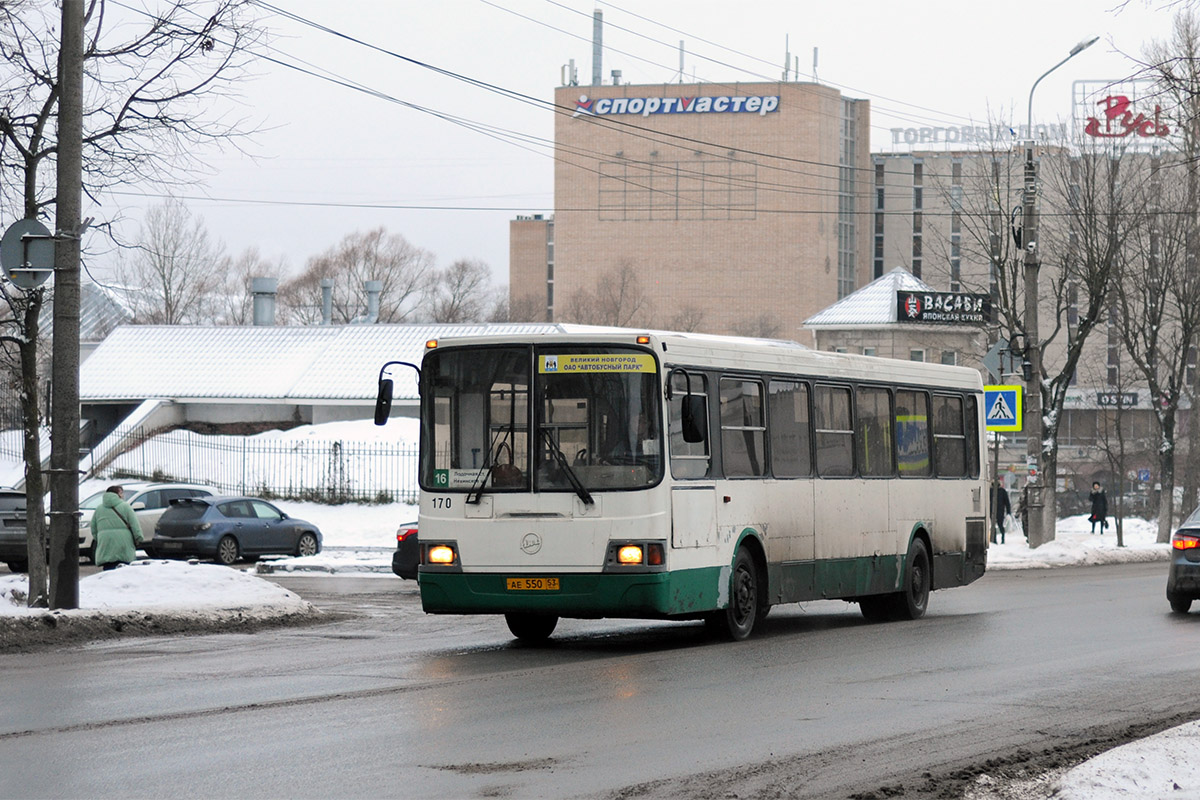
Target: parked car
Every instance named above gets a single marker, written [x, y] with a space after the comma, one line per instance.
[230, 528]
[148, 501]
[12, 530]
[1183, 574]
[408, 552]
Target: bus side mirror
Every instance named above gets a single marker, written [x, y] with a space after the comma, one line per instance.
[694, 418]
[383, 401]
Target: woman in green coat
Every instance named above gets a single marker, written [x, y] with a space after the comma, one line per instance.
[116, 529]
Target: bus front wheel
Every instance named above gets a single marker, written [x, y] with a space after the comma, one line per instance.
[531, 627]
[746, 605]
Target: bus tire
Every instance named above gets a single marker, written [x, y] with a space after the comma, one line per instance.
[911, 601]
[531, 627]
[737, 621]
[876, 608]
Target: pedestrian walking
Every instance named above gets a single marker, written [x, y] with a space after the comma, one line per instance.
[1099, 508]
[1001, 508]
[115, 529]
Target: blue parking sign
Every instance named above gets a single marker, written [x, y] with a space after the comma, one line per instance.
[1002, 408]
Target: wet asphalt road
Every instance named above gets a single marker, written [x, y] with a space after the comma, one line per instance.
[384, 700]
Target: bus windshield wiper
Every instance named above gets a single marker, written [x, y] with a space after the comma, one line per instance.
[475, 494]
[572, 478]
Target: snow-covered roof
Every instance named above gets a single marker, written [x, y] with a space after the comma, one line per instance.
[873, 304]
[318, 363]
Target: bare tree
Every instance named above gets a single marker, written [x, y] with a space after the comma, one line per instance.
[151, 85]
[617, 299]
[527, 308]
[1158, 305]
[764, 326]
[176, 266]
[688, 318]
[1174, 65]
[1092, 206]
[460, 292]
[405, 270]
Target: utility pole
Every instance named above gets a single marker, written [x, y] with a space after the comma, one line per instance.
[64, 406]
[1040, 530]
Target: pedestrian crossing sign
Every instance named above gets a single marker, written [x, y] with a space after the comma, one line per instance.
[1002, 408]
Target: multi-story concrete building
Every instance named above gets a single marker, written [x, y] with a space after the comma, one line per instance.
[732, 208]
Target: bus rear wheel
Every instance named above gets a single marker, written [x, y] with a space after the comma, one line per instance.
[531, 627]
[913, 599]
[746, 602]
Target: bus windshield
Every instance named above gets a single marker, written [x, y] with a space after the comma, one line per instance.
[595, 417]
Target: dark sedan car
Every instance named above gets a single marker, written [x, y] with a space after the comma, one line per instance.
[13, 549]
[408, 552]
[229, 528]
[1183, 576]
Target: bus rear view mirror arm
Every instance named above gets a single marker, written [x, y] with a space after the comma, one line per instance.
[383, 399]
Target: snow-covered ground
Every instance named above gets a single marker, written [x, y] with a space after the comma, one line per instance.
[361, 538]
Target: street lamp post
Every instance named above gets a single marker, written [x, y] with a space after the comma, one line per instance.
[1039, 532]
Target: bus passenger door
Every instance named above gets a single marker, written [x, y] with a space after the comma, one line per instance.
[693, 516]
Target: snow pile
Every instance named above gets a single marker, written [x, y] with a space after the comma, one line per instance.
[179, 589]
[1075, 545]
[1163, 765]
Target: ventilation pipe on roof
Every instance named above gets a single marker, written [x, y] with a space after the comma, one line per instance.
[374, 289]
[326, 301]
[263, 291]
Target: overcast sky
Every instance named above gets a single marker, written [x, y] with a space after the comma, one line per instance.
[332, 160]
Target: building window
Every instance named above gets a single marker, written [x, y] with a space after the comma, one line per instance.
[868, 351]
[916, 354]
[949, 357]
[1114, 348]
[955, 262]
[847, 180]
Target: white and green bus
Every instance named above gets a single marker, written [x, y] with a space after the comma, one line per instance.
[680, 476]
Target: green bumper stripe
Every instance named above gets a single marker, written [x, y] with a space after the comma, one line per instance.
[648, 595]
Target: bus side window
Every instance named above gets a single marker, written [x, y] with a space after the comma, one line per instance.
[949, 443]
[972, 437]
[743, 428]
[912, 434]
[874, 432]
[791, 448]
[835, 437]
[689, 460]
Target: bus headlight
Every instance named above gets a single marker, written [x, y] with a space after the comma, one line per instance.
[644, 556]
[441, 554]
[629, 554]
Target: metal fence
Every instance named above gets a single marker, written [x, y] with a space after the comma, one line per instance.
[290, 469]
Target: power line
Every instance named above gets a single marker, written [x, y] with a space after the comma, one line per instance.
[942, 114]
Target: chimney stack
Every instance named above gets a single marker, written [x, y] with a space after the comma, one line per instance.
[326, 301]
[263, 291]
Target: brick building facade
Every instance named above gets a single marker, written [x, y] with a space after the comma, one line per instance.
[734, 208]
